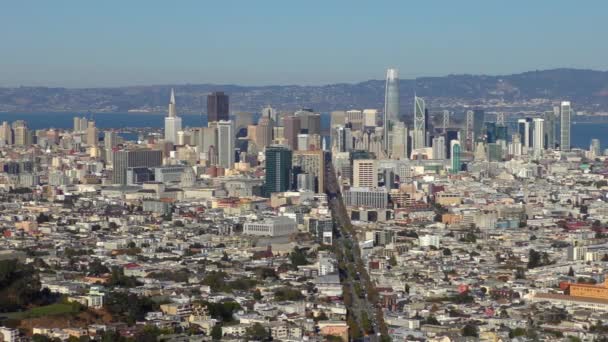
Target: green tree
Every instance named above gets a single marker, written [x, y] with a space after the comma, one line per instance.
[216, 332]
[257, 295]
[257, 332]
[298, 257]
[470, 331]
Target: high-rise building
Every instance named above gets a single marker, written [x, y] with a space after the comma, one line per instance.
[469, 140]
[370, 117]
[524, 128]
[398, 139]
[539, 136]
[291, 131]
[270, 112]
[225, 143]
[455, 156]
[217, 107]
[124, 159]
[419, 132]
[478, 123]
[173, 123]
[263, 132]
[365, 173]
[550, 129]
[21, 133]
[565, 114]
[491, 132]
[344, 139]
[302, 142]
[6, 134]
[595, 148]
[446, 120]
[242, 120]
[391, 105]
[278, 169]
[439, 147]
[92, 134]
[311, 163]
[356, 119]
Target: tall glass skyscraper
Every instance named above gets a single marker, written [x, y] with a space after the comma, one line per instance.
[565, 112]
[278, 169]
[391, 105]
[419, 132]
[455, 156]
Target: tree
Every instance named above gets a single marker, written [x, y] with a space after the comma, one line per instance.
[470, 330]
[392, 261]
[447, 252]
[534, 259]
[257, 332]
[216, 332]
[298, 257]
[571, 272]
[257, 295]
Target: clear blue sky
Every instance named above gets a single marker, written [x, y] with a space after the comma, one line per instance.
[130, 42]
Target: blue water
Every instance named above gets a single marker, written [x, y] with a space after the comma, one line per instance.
[582, 133]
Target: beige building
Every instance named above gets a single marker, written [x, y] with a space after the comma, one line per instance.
[365, 173]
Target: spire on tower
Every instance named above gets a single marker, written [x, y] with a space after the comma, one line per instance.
[172, 110]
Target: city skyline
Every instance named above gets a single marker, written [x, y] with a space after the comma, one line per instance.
[97, 40]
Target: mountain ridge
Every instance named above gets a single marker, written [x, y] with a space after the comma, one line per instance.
[587, 88]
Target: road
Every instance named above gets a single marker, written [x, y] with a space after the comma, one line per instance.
[353, 274]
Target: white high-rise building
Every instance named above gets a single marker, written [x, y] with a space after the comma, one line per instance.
[398, 139]
[226, 143]
[369, 117]
[595, 148]
[365, 173]
[173, 123]
[565, 114]
[419, 132]
[539, 137]
[439, 148]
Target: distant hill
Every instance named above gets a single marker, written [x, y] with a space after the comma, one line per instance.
[588, 89]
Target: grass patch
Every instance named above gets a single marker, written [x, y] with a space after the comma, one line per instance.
[49, 310]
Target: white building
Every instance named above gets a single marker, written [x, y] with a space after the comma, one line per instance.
[276, 226]
[429, 240]
[226, 143]
[173, 123]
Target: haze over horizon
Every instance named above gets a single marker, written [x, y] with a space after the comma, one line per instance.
[73, 44]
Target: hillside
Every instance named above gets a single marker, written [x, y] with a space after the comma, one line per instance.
[588, 89]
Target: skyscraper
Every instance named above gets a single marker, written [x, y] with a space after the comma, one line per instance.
[312, 163]
[278, 169]
[595, 148]
[419, 132]
[365, 173]
[565, 113]
[478, 123]
[217, 106]
[291, 131]
[92, 134]
[263, 132]
[550, 129]
[173, 123]
[439, 147]
[21, 133]
[6, 134]
[225, 143]
[391, 105]
[539, 136]
[398, 139]
[455, 155]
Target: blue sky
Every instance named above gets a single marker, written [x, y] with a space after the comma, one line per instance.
[133, 42]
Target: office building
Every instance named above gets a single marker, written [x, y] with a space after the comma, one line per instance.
[391, 104]
[595, 148]
[270, 112]
[312, 163]
[565, 116]
[370, 117]
[278, 169]
[226, 139]
[366, 197]
[291, 131]
[173, 123]
[469, 139]
[217, 107]
[478, 124]
[92, 134]
[419, 132]
[539, 137]
[365, 173]
[550, 129]
[21, 133]
[124, 159]
[6, 134]
[439, 147]
[398, 139]
[274, 226]
[455, 156]
[263, 132]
